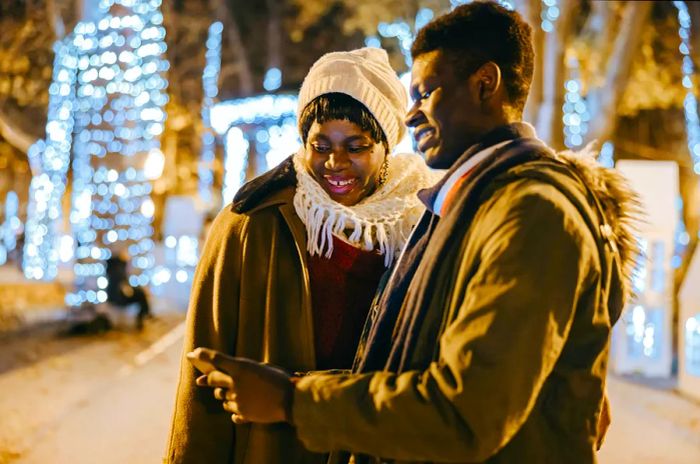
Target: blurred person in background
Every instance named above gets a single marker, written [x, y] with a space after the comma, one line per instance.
[289, 270]
[120, 292]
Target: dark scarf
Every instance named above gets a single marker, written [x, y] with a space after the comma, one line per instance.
[400, 311]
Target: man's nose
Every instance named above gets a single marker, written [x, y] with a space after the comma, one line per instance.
[414, 115]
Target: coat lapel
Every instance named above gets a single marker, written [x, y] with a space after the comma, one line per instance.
[296, 227]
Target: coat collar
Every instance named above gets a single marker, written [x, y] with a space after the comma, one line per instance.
[284, 196]
[498, 135]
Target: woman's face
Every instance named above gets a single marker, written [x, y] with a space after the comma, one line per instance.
[344, 160]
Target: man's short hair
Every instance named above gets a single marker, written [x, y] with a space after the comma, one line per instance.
[333, 106]
[479, 32]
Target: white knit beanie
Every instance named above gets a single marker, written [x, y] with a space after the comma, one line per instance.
[366, 75]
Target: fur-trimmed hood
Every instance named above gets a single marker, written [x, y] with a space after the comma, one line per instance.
[619, 202]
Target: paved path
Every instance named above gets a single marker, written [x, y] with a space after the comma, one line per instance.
[108, 399]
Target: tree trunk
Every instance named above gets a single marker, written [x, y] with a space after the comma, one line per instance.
[233, 37]
[14, 135]
[530, 9]
[55, 19]
[274, 35]
[603, 100]
[550, 126]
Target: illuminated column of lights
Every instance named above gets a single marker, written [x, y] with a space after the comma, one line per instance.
[682, 238]
[10, 227]
[235, 162]
[549, 14]
[639, 329]
[576, 115]
[690, 104]
[274, 132]
[121, 94]
[210, 82]
[273, 79]
[403, 34]
[281, 141]
[692, 345]
[606, 157]
[50, 160]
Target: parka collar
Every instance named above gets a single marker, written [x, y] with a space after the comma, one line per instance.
[500, 134]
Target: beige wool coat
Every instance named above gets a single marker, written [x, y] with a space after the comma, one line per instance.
[250, 298]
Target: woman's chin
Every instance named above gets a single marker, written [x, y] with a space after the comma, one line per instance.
[345, 199]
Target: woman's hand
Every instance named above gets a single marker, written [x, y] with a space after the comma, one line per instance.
[251, 391]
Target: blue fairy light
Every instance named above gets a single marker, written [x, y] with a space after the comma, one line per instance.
[50, 159]
[210, 82]
[120, 102]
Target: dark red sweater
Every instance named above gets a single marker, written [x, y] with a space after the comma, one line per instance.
[342, 289]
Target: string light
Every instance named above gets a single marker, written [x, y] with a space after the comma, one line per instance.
[273, 79]
[606, 157]
[120, 101]
[235, 162]
[690, 104]
[210, 82]
[50, 159]
[282, 141]
[682, 238]
[252, 110]
[576, 115]
[641, 330]
[692, 345]
[270, 121]
[10, 227]
[403, 34]
[373, 42]
[641, 322]
[549, 14]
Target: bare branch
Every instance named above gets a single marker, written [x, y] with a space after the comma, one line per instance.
[549, 123]
[604, 99]
[235, 43]
[14, 135]
[55, 19]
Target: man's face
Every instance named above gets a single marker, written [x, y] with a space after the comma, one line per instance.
[447, 112]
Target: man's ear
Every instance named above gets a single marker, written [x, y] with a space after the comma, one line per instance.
[489, 78]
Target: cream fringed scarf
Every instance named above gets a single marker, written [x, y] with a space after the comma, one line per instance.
[381, 221]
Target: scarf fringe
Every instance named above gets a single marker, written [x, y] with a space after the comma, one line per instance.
[382, 221]
[322, 225]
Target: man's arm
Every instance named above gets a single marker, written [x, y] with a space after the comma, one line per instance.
[512, 322]
[201, 430]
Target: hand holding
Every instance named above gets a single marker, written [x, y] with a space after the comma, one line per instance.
[251, 391]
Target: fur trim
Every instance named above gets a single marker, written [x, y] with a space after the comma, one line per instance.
[620, 203]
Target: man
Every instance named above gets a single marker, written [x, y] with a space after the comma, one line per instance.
[120, 292]
[490, 340]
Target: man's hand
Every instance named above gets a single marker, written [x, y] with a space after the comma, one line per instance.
[251, 391]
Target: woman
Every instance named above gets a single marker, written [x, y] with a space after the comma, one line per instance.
[289, 270]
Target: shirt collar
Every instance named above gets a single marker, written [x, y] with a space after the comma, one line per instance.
[496, 136]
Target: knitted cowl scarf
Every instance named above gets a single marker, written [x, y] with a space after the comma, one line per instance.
[382, 220]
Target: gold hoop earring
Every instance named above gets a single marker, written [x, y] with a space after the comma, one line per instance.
[384, 172]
